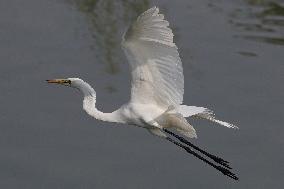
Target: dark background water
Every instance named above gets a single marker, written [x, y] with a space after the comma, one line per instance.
[232, 52]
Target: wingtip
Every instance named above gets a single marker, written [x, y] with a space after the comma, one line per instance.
[157, 8]
[229, 125]
[154, 10]
[235, 127]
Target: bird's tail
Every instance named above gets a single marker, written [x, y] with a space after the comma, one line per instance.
[201, 112]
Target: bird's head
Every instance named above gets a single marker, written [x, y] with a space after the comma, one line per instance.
[76, 83]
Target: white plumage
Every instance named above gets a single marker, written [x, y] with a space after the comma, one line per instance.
[157, 84]
[157, 75]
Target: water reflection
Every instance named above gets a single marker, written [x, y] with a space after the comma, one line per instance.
[248, 54]
[108, 20]
[260, 20]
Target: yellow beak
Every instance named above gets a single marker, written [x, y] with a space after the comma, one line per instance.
[59, 81]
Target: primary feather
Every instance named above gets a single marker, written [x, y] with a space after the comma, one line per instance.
[156, 68]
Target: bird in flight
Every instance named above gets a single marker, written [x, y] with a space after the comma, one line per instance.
[157, 89]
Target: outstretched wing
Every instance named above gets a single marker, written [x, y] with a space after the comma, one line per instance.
[156, 68]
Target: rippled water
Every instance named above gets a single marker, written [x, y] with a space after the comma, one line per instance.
[232, 53]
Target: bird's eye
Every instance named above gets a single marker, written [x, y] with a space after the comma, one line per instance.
[67, 81]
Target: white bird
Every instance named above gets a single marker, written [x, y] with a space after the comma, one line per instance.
[157, 87]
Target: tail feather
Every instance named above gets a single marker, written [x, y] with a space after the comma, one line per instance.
[201, 112]
[211, 117]
[188, 111]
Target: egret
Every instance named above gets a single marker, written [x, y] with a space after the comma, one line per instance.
[157, 89]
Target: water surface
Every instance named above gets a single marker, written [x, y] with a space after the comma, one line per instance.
[232, 53]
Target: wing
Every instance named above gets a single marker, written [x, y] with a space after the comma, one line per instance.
[156, 68]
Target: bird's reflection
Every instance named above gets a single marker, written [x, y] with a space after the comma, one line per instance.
[260, 20]
[108, 19]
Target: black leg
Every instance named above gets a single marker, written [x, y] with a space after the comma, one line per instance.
[219, 168]
[213, 157]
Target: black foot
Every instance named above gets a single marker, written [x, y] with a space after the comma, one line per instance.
[225, 171]
[213, 157]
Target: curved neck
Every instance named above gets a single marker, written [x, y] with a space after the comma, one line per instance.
[89, 105]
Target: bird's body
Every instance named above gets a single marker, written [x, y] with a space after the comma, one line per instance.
[149, 116]
[157, 85]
